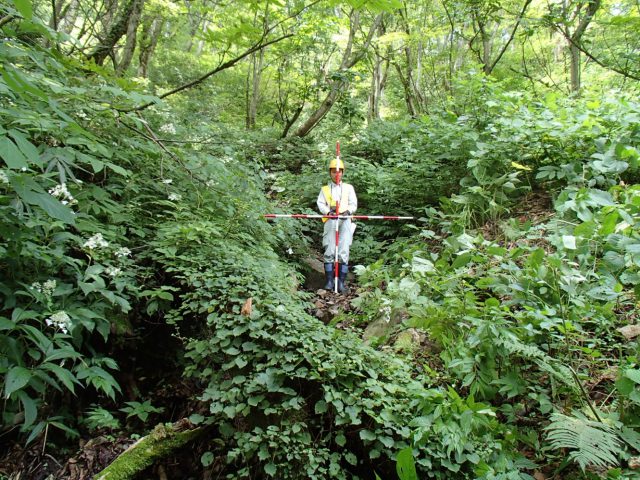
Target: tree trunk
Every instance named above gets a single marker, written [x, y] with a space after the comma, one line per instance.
[576, 38]
[56, 10]
[255, 75]
[378, 81]
[407, 76]
[408, 94]
[151, 28]
[68, 16]
[253, 88]
[349, 59]
[130, 45]
[116, 32]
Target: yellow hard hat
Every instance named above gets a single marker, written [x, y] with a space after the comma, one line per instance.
[337, 164]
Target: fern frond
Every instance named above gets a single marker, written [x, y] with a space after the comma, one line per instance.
[590, 442]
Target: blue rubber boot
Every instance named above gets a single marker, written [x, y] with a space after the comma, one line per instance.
[329, 274]
[342, 276]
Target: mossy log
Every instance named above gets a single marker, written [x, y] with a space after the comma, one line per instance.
[162, 440]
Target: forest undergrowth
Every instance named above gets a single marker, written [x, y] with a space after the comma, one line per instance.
[130, 254]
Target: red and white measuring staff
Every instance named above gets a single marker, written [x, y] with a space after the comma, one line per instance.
[337, 216]
[357, 217]
[336, 264]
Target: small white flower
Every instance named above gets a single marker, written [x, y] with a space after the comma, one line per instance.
[175, 197]
[62, 192]
[23, 169]
[37, 286]
[290, 251]
[59, 320]
[211, 183]
[386, 312]
[81, 114]
[113, 271]
[167, 181]
[3, 177]
[168, 128]
[48, 287]
[122, 252]
[97, 241]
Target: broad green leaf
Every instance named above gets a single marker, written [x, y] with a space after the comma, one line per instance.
[207, 459]
[35, 432]
[270, 469]
[17, 377]
[6, 324]
[462, 260]
[63, 375]
[367, 435]
[33, 194]
[536, 258]
[321, 406]
[25, 8]
[54, 208]
[12, 156]
[26, 147]
[65, 428]
[633, 374]
[569, 242]
[405, 466]
[609, 224]
[30, 408]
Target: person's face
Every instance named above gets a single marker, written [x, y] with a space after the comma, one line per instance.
[334, 174]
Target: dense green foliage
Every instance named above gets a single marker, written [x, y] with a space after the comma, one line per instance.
[133, 251]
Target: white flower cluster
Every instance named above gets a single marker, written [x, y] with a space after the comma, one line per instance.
[211, 183]
[59, 320]
[168, 128]
[62, 193]
[386, 312]
[167, 181]
[3, 177]
[45, 288]
[113, 271]
[97, 241]
[175, 197]
[122, 252]
[81, 114]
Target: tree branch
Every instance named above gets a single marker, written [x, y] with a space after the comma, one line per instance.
[599, 62]
[219, 68]
[511, 37]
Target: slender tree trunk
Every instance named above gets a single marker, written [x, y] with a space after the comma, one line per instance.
[349, 59]
[116, 32]
[407, 75]
[254, 75]
[408, 94]
[151, 29]
[67, 17]
[378, 78]
[56, 10]
[574, 42]
[130, 45]
[253, 88]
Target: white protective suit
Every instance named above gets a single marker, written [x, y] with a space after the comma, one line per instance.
[346, 227]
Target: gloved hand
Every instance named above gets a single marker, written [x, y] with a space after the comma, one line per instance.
[346, 213]
[332, 211]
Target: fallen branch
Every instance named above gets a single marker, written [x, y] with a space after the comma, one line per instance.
[163, 440]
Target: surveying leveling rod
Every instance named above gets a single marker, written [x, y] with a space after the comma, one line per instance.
[337, 216]
[356, 217]
[336, 265]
